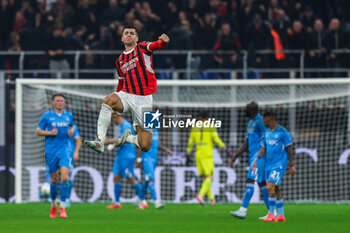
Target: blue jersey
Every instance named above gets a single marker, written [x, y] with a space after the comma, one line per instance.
[255, 131]
[72, 139]
[127, 151]
[153, 151]
[58, 144]
[276, 142]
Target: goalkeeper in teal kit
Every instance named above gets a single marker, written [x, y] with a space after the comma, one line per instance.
[278, 149]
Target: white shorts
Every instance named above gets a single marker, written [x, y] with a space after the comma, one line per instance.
[136, 105]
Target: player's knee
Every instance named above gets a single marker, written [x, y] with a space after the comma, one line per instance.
[278, 192]
[64, 178]
[116, 179]
[262, 184]
[108, 100]
[131, 180]
[250, 181]
[54, 180]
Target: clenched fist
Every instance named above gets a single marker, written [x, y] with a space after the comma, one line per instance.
[164, 38]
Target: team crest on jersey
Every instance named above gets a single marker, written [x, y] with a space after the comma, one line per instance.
[52, 119]
[276, 136]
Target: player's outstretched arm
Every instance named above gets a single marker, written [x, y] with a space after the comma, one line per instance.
[166, 149]
[291, 168]
[110, 140]
[161, 43]
[164, 37]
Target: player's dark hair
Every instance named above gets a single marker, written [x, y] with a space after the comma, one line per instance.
[270, 114]
[252, 108]
[203, 114]
[130, 27]
[58, 94]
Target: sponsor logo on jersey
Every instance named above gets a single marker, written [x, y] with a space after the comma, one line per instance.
[129, 65]
[62, 124]
[272, 142]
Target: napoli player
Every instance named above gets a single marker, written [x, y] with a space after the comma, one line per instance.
[75, 145]
[149, 162]
[278, 147]
[57, 126]
[124, 163]
[255, 132]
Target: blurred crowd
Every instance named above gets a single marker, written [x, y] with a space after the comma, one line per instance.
[317, 27]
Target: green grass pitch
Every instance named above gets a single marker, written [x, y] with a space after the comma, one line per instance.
[34, 217]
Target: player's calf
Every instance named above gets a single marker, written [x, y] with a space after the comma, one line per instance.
[271, 188]
[144, 146]
[143, 140]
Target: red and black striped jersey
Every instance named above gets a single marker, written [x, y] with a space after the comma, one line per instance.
[135, 69]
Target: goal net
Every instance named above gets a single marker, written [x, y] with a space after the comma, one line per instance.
[316, 112]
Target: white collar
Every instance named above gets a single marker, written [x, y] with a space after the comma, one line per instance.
[128, 52]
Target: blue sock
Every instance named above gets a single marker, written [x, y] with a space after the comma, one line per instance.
[64, 191]
[117, 191]
[249, 191]
[70, 186]
[54, 189]
[272, 204]
[143, 191]
[265, 196]
[136, 187]
[279, 205]
[152, 190]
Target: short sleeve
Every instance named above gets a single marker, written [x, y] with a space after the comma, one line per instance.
[76, 132]
[287, 139]
[262, 127]
[43, 123]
